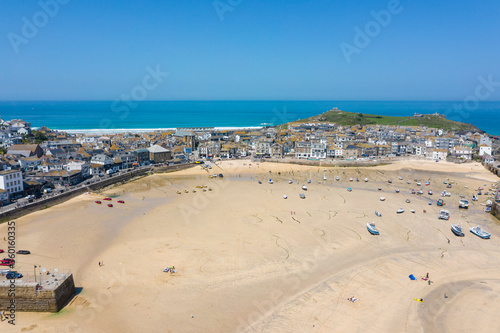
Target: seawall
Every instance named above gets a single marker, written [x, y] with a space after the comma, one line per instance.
[82, 188]
[56, 290]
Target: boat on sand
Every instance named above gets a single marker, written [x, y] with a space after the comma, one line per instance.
[480, 233]
[457, 230]
[372, 229]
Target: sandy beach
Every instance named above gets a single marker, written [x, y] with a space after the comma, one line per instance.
[248, 260]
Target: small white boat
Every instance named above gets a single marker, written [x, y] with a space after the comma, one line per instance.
[400, 210]
[290, 182]
[302, 196]
[480, 233]
[309, 181]
[408, 182]
[457, 230]
[419, 184]
[400, 178]
[304, 187]
[366, 179]
[285, 196]
[429, 192]
[324, 178]
[372, 229]
[420, 192]
[382, 198]
[463, 203]
[378, 213]
[412, 210]
[444, 215]
[350, 179]
[271, 181]
[337, 178]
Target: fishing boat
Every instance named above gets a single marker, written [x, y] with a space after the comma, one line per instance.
[350, 179]
[457, 230]
[400, 178]
[304, 187]
[285, 196]
[412, 210]
[337, 178]
[324, 178]
[408, 182]
[400, 210]
[397, 190]
[427, 183]
[271, 181]
[429, 192]
[260, 182]
[366, 180]
[378, 213]
[419, 184]
[372, 229]
[382, 198]
[480, 233]
[309, 181]
[380, 188]
[302, 196]
[440, 202]
[463, 203]
[448, 186]
[357, 179]
[389, 181]
[349, 189]
[408, 201]
[420, 192]
[290, 182]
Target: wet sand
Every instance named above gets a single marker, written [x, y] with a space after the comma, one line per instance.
[248, 260]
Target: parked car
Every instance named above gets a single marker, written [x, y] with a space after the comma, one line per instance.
[13, 275]
[23, 252]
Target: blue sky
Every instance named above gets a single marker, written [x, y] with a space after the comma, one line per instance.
[261, 50]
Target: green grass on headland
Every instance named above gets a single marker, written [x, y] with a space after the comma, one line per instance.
[344, 118]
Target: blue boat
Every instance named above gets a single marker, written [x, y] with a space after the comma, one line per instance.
[349, 189]
[480, 233]
[372, 229]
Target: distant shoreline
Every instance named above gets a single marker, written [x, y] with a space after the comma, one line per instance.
[146, 130]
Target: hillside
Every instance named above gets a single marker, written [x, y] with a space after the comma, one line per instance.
[350, 118]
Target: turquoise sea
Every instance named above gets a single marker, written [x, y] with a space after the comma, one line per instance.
[109, 115]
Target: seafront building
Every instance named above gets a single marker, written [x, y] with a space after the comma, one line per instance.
[47, 159]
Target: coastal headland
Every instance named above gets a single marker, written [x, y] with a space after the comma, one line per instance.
[248, 260]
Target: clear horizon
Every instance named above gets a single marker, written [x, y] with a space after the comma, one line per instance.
[62, 50]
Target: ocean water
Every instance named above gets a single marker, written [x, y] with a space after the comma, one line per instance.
[107, 115]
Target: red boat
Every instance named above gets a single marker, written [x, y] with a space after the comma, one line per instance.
[1, 251]
[107, 199]
[98, 202]
[121, 201]
[110, 205]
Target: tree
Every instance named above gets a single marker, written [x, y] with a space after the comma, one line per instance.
[40, 137]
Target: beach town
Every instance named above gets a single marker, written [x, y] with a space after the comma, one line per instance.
[299, 228]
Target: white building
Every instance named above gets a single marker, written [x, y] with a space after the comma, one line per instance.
[484, 149]
[78, 166]
[439, 154]
[11, 181]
